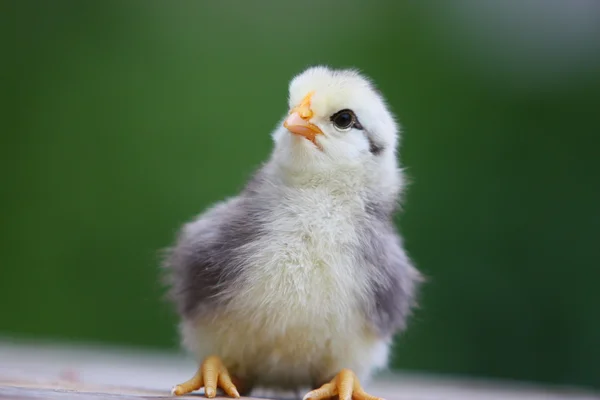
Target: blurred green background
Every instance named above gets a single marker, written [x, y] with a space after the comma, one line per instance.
[122, 120]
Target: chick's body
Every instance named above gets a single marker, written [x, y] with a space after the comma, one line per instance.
[303, 273]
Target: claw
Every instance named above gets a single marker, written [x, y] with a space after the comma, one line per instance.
[345, 385]
[211, 374]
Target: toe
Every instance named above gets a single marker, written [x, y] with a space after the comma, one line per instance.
[210, 372]
[345, 384]
[227, 385]
[324, 392]
[189, 386]
[176, 390]
[360, 394]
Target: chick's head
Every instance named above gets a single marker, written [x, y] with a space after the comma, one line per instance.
[336, 119]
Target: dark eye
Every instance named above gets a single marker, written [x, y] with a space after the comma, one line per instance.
[343, 120]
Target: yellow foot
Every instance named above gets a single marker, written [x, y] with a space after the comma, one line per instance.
[345, 385]
[211, 374]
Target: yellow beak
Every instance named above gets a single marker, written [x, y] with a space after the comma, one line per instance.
[298, 120]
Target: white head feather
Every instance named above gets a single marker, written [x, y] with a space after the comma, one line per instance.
[364, 153]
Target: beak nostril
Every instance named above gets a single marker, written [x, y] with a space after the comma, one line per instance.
[303, 109]
[305, 113]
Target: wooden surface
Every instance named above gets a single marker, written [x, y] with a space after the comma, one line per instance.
[36, 371]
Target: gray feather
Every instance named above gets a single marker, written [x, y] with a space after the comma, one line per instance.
[396, 280]
[205, 262]
[203, 268]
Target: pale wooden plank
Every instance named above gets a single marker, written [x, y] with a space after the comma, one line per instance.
[37, 371]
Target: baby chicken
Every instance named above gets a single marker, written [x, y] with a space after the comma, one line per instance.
[301, 280]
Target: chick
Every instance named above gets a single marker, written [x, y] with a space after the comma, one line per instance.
[301, 281]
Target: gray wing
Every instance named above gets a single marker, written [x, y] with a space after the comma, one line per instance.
[203, 267]
[395, 279]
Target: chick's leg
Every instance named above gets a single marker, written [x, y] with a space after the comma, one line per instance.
[211, 374]
[345, 385]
